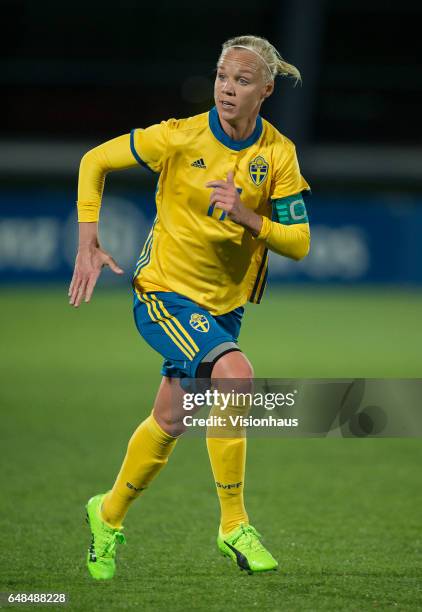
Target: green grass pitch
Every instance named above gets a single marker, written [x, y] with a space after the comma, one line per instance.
[341, 515]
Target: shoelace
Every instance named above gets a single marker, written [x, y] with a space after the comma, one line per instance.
[249, 537]
[107, 544]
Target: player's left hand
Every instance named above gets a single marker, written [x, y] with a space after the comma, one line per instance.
[225, 196]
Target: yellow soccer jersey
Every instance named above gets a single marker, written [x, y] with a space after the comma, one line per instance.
[193, 248]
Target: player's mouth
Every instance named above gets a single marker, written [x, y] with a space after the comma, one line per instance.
[226, 104]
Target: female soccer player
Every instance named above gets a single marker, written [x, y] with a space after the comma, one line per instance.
[229, 189]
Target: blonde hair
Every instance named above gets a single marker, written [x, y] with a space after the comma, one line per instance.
[271, 58]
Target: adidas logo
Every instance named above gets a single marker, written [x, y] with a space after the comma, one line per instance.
[199, 163]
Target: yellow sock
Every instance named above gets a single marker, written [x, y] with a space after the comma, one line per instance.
[228, 458]
[228, 461]
[148, 451]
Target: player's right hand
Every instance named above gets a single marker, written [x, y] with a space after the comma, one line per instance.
[88, 265]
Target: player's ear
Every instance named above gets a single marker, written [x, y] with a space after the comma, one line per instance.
[269, 88]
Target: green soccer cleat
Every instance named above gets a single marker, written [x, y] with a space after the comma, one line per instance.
[242, 545]
[102, 552]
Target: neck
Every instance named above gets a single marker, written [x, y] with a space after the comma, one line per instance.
[240, 129]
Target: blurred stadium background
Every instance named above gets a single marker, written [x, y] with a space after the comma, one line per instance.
[76, 74]
[75, 79]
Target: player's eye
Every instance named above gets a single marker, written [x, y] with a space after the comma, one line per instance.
[243, 81]
[221, 76]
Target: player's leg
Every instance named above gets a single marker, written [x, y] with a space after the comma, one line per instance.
[237, 539]
[184, 334]
[227, 445]
[147, 453]
[168, 407]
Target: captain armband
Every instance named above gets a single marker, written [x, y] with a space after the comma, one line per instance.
[290, 210]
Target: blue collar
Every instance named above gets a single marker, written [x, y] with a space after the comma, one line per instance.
[220, 134]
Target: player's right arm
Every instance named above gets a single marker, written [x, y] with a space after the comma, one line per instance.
[147, 147]
[114, 154]
[90, 260]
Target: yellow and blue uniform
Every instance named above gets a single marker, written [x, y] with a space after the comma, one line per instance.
[193, 248]
[194, 252]
[182, 331]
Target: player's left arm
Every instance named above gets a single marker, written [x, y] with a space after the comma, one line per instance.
[287, 233]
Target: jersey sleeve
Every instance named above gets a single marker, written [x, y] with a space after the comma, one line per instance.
[287, 179]
[95, 164]
[291, 241]
[287, 233]
[150, 146]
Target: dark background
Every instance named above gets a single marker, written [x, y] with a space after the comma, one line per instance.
[75, 74]
[91, 69]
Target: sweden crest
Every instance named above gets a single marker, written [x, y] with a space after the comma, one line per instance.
[199, 322]
[258, 170]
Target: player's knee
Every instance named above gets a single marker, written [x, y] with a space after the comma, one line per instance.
[233, 365]
[227, 367]
[233, 373]
[172, 425]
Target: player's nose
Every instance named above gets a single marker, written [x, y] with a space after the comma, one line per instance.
[228, 88]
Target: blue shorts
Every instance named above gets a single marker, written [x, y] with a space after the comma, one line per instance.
[181, 331]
